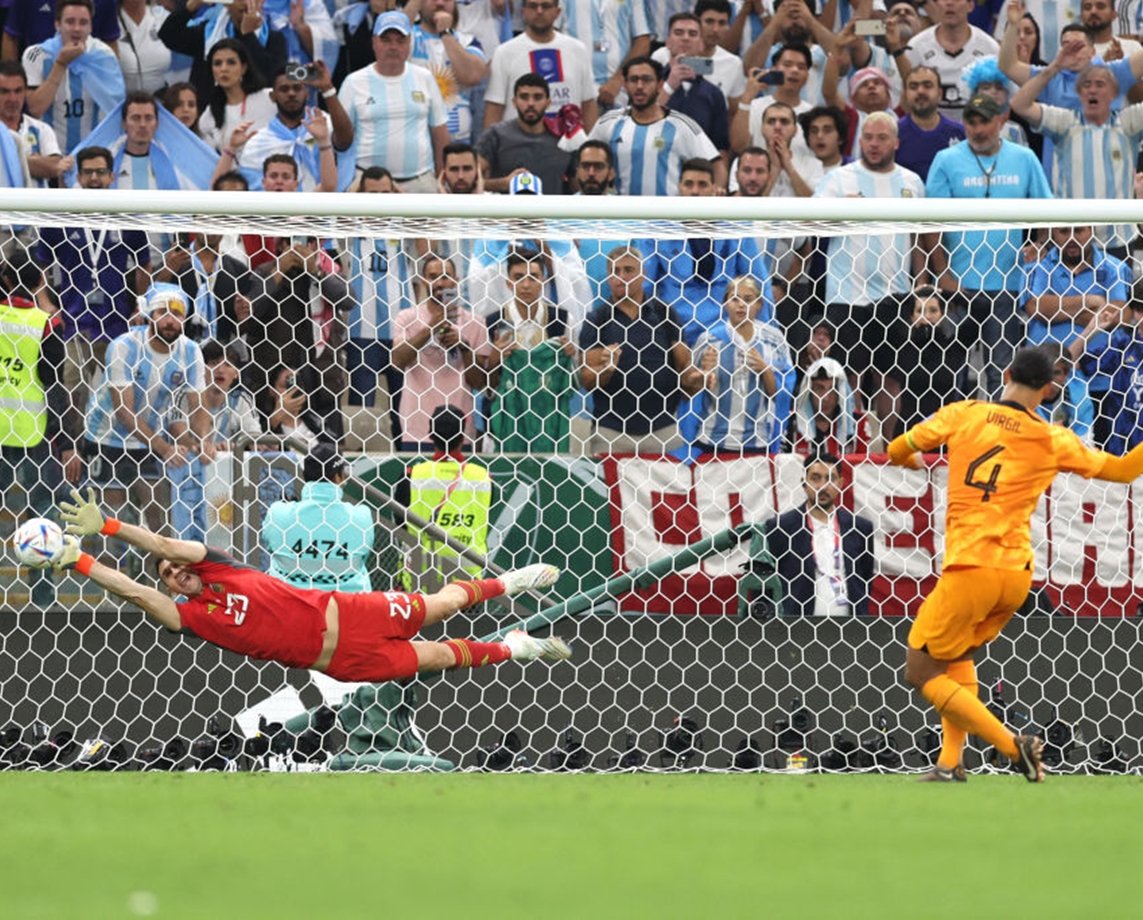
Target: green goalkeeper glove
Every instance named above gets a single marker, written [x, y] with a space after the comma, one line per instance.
[84, 517]
[68, 554]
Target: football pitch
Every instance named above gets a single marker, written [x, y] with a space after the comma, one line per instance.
[209, 846]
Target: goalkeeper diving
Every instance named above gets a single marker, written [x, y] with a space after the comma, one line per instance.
[350, 637]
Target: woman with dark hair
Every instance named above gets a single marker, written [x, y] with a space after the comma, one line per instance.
[1028, 42]
[181, 100]
[197, 27]
[237, 98]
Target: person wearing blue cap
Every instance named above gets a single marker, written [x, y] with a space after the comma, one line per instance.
[399, 117]
[125, 438]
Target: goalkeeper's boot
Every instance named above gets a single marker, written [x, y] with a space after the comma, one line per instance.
[529, 578]
[1029, 760]
[529, 648]
[945, 775]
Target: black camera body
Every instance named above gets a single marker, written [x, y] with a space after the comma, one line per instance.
[301, 73]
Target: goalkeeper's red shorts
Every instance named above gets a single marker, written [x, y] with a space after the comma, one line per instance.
[373, 636]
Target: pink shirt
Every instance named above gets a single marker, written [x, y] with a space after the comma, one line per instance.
[435, 378]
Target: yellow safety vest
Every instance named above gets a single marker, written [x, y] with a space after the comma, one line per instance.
[23, 404]
[456, 497]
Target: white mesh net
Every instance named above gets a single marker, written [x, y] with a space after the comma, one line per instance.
[640, 380]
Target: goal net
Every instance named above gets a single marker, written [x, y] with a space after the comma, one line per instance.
[641, 380]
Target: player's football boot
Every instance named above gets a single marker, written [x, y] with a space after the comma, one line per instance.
[529, 648]
[1030, 761]
[529, 578]
[944, 775]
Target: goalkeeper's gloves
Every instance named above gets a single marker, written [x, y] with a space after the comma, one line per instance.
[68, 554]
[84, 517]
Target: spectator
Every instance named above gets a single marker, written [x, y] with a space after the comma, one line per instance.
[754, 177]
[100, 273]
[509, 148]
[886, 55]
[614, 31]
[236, 97]
[923, 130]
[649, 143]
[1120, 356]
[532, 371]
[635, 364]
[560, 59]
[824, 552]
[31, 401]
[303, 308]
[152, 149]
[793, 174]
[746, 25]
[827, 416]
[126, 442]
[1039, 32]
[279, 174]
[985, 78]
[207, 268]
[321, 542]
[869, 90]
[793, 63]
[146, 62]
[381, 280]
[309, 135]
[685, 91]
[1069, 402]
[230, 414]
[949, 47]
[793, 23]
[197, 29]
[353, 24]
[1098, 18]
[691, 276]
[37, 141]
[32, 24]
[454, 493]
[282, 403]
[455, 58]
[307, 28]
[594, 175]
[825, 129]
[398, 114]
[1066, 289]
[442, 349]
[1094, 150]
[748, 377]
[984, 265]
[181, 100]
[727, 70]
[868, 277]
[923, 363]
[74, 79]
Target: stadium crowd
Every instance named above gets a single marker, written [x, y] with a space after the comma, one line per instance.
[174, 345]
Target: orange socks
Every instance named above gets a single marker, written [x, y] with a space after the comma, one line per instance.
[470, 654]
[953, 737]
[965, 711]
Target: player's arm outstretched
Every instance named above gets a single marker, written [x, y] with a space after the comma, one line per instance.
[85, 519]
[1127, 468]
[154, 603]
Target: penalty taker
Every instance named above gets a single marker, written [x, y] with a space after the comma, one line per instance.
[350, 637]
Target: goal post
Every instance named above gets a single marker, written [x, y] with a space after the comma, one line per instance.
[674, 602]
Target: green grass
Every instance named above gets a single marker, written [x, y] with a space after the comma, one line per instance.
[345, 846]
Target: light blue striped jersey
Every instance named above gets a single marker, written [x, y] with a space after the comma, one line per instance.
[1051, 16]
[649, 158]
[429, 52]
[392, 118]
[74, 112]
[739, 414]
[607, 28]
[37, 138]
[136, 172]
[862, 269]
[1095, 161]
[321, 541]
[381, 276]
[153, 379]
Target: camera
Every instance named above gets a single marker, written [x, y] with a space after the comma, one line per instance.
[301, 73]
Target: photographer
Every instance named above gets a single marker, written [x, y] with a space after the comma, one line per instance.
[301, 318]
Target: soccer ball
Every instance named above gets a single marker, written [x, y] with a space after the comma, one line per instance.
[36, 541]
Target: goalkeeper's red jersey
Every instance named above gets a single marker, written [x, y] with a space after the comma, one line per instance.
[249, 612]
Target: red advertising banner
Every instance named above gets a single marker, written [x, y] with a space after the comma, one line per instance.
[1083, 530]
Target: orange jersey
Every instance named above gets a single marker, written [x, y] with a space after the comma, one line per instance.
[1001, 459]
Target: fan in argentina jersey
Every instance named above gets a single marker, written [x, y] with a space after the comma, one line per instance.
[351, 637]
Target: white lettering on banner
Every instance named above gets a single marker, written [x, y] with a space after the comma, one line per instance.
[1082, 531]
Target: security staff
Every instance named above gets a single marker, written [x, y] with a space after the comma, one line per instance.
[320, 541]
[451, 492]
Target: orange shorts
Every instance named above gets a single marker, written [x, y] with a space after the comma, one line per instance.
[373, 633]
[968, 607]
